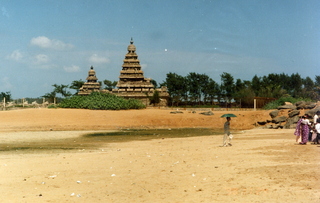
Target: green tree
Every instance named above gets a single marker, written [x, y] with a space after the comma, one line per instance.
[177, 87]
[227, 86]
[76, 85]
[196, 83]
[110, 85]
[212, 91]
[295, 85]
[61, 89]
[155, 98]
[155, 84]
[50, 96]
[256, 84]
[6, 95]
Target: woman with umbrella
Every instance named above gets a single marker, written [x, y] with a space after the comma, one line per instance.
[227, 135]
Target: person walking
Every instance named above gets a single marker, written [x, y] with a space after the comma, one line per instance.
[227, 135]
[317, 130]
[302, 130]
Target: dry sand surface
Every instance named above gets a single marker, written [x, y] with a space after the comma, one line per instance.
[263, 165]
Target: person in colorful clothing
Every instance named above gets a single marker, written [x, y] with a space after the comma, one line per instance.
[302, 130]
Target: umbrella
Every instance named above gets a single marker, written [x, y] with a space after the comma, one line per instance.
[228, 115]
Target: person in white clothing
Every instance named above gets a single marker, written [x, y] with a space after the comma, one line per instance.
[317, 129]
[227, 135]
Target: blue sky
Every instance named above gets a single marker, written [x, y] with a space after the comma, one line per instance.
[56, 41]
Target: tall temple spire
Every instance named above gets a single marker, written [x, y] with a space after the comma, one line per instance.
[132, 83]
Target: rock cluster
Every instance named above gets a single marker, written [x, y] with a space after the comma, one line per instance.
[288, 115]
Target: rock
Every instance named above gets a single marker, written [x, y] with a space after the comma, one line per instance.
[208, 113]
[310, 105]
[175, 112]
[291, 122]
[269, 126]
[274, 113]
[287, 107]
[294, 113]
[262, 122]
[288, 103]
[312, 112]
[277, 126]
[301, 105]
[279, 119]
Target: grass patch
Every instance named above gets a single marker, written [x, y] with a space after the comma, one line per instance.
[93, 141]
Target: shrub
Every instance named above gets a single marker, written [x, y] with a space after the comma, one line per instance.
[101, 101]
[282, 100]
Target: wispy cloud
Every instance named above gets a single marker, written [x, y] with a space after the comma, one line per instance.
[4, 12]
[16, 55]
[71, 69]
[5, 83]
[98, 59]
[46, 43]
[41, 59]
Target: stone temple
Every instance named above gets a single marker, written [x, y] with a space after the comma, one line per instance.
[92, 84]
[132, 84]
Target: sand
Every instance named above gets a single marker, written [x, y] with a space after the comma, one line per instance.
[263, 165]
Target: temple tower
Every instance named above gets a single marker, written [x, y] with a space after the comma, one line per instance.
[133, 84]
[92, 84]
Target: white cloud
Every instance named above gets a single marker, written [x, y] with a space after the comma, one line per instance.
[144, 66]
[46, 43]
[71, 69]
[41, 59]
[98, 59]
[5, 83]
[4, 12]
[16, 55]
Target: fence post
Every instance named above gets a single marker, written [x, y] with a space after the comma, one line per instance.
[254, 104]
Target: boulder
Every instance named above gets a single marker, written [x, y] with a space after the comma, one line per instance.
[300, 104]
[310, 105]
[279, 119]
[269, 126]
[294, 113]
[291, 122]
[207, 113]
[175, 112]
[274, 113]
[312, 112]
[262, 122]
[287, 107]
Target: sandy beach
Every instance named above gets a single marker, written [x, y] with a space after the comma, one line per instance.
[263, 165]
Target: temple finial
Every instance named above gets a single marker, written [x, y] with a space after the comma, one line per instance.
[131, 42]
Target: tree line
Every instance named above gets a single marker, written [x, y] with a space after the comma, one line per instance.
[200, 89]
[196, 88]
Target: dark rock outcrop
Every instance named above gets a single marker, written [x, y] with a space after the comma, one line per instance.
[274, 113]
[279, 119]
[207, 113]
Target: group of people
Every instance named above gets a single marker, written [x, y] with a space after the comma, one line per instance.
[306, 129]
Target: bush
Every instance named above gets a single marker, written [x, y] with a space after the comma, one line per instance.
[100, 101]
[281, 101]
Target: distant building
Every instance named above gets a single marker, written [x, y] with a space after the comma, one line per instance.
[131, 84]
[92, 84]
